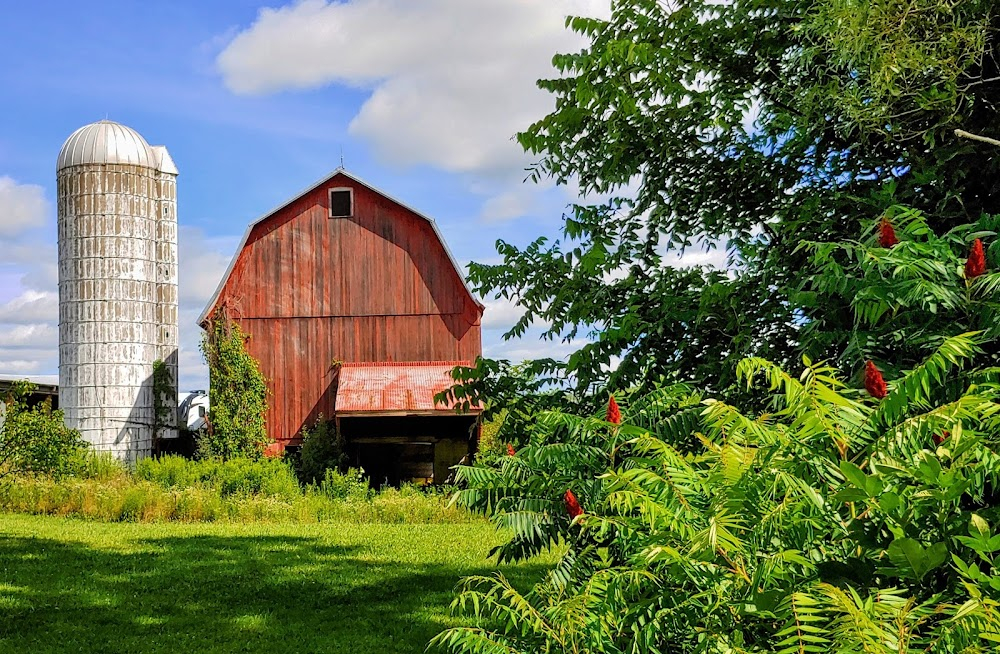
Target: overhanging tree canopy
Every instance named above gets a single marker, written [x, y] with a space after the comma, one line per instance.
[757, 124]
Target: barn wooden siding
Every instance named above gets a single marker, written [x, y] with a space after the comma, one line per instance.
[376, 287]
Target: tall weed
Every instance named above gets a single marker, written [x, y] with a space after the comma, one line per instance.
[235, 477]
[239, 497]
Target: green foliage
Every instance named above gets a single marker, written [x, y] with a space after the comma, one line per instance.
[748, 126]
[322, 450]
[914, 62]
[237, 395]
[34, 439]
[788, 512]
[164, 399]
[491, 447]
[240, 490]
[823, 524]
[98, 466]
[824, 521]
[525, 492]
[351, 484]
[903, 298]
[235, 477]
[511, 397]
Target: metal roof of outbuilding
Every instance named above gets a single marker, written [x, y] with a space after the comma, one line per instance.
[405, 388]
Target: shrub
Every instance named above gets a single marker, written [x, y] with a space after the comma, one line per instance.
[491, 448]
[35, 439]
[348, 485]
[322, 450]
[235, 477]
[173, 471]
[267, 477]
[816, 517]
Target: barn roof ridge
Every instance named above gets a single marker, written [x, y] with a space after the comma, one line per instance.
[340, 170]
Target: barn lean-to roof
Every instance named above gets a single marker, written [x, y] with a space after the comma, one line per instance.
[397, 388]
[339, 171]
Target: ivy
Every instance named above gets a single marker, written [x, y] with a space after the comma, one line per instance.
[164, 400]
[237, 394]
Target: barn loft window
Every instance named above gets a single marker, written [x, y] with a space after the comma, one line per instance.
[341, 203]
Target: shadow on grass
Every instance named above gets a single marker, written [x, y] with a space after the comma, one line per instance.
[222, 594]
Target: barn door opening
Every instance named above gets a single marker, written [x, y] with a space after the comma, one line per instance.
[393, 463]
[422, 449]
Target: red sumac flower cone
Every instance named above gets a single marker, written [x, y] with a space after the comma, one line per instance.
[975, 265]
[614, 415]
[510, 450]
[573, 507]
[886, 234]
[874, 383]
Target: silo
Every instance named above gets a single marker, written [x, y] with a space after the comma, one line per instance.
[117, 227]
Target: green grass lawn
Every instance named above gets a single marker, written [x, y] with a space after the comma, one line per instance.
[72, 586]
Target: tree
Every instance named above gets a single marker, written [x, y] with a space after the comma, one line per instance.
[752, 125]
[237, 395]
[33, 437]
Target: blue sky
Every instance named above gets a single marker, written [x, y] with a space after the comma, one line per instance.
[256, 102]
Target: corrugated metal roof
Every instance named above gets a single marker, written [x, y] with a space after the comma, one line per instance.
[395, 388]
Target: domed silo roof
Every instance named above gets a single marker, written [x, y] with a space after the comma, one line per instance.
[105, 142]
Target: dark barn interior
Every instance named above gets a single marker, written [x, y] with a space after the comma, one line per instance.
[393, 449]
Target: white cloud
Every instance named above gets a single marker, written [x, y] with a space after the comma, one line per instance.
[451, 80]
[529, 347]
[500, 314]
[509, 204]
[716, 258]
[31, 307]
[203, 262]
[36, 337]
[192, 373]
[22, 207]
[14, 367]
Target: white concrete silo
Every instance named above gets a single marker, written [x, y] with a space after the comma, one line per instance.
[117, 221]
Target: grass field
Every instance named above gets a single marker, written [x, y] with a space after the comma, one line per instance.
[73, 586]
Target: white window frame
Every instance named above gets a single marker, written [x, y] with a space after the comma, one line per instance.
[338, 189]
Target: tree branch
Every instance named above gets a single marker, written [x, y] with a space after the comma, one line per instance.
[961, 133]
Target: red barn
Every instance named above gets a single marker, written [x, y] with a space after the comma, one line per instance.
[344, 273]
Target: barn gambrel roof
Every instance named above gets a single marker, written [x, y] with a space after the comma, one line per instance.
[339, 171]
